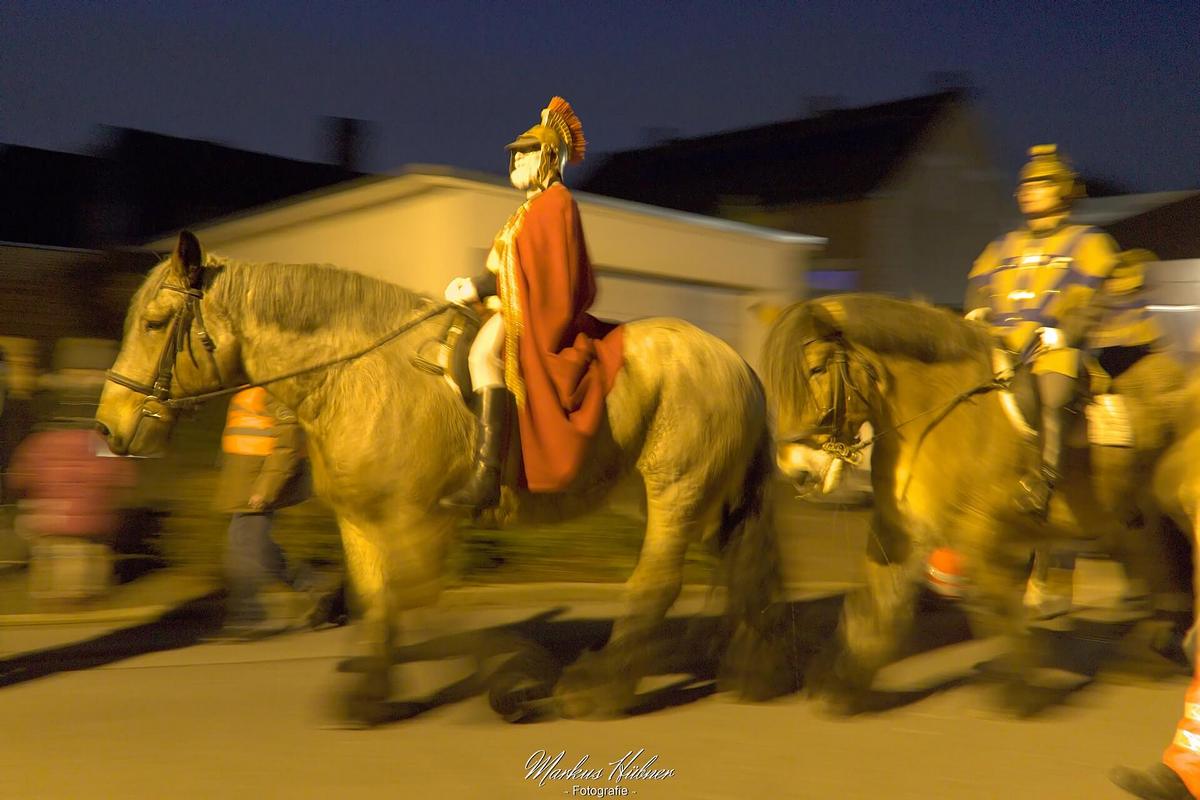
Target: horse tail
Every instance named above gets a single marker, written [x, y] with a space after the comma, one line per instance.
[760, 662]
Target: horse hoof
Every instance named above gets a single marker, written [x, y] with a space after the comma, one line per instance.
[839, 704]
[1022, 701]
[522, 690]
[575, 699]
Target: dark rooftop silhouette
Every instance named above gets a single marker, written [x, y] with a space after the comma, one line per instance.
[836, 155]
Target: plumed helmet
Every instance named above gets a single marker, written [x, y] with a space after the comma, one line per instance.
[1046, 165]
[559, 136]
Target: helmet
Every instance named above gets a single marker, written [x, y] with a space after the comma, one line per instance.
[1045, 165]
[559, 136]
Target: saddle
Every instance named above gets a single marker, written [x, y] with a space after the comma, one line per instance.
[446, 355]
[1116, 411]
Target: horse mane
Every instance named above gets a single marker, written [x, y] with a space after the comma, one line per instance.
[318, 295]
[909, 328]
[883, 324]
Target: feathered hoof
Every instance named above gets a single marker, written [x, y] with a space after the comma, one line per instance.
[587, 692]
[522, 690]
[361, 701]
[591, 704]
[1023, 701]
[840, 704]
[758, 676]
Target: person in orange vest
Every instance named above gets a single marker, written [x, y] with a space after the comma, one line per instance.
[264, 469]
[1178, 776]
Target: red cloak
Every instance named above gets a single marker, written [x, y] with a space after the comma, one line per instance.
[568, 358]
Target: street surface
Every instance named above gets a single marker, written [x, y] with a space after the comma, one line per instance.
[111, 714]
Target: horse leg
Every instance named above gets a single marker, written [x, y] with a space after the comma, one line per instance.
[875, 621]
[395, 568]
[364, 702]
[603, 684]
[417, 546]
[998, 609]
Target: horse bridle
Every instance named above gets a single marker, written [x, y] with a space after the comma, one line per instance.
[157, 397]
[841, 442]
[178, 340]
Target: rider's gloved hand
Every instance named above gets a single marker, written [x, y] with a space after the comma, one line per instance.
[978, 314]
[1052, 338]
[461, 291]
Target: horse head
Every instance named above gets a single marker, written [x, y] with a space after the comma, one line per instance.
[174, 347]
[823, 391]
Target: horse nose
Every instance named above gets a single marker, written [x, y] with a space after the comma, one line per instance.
[792, 460]
[102, 429]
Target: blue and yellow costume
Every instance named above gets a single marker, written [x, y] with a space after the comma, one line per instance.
[1031, 281]
[1050, 292]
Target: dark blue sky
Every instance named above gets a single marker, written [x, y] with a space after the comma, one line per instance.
[1114, 83]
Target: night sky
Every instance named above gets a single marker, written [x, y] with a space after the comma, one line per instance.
[1114, 83]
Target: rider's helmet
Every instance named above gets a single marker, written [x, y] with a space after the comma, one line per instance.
[1046, 165]
[559, 137]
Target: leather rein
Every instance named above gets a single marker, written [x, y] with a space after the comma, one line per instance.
[179, 340]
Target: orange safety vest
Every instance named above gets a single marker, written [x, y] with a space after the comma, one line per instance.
[1183, 754]
[249, 429]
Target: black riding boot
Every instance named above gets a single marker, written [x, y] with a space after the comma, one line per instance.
[1038, 486]
[483, 489]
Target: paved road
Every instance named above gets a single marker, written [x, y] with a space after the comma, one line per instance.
[147, 713]
[244, 720]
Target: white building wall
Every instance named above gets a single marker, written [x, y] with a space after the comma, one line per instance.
[420, 231]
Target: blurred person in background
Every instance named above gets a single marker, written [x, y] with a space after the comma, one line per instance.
[264, 469]
[17, 421]
[71, 493]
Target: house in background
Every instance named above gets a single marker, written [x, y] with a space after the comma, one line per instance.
[907, 192]
[430, 224]
[68, 221]
[1168, 223]
[138, 184]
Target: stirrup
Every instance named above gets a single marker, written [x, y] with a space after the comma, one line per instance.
[1036, 490]
[481, 492]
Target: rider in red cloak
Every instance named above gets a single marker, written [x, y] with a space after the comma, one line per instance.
[557, 361]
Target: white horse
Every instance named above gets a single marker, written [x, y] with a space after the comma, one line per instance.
[386, 441]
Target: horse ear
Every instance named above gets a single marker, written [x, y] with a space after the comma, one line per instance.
[188, 259]
[824, 322]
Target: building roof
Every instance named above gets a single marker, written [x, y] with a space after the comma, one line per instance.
[1172, 230]
[140, 185]
[838, 155]
[43, 195]
[1108, 210]
[177, 182]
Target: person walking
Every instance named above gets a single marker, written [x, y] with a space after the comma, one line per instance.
[264, 469]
